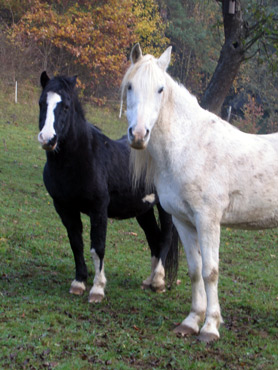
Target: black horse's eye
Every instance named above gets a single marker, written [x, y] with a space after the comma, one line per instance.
[160, 90]
[129, 87]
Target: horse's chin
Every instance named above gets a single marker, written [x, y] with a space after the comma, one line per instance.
[49, 148]
[138, 145]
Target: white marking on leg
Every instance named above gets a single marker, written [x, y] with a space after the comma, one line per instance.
[77, 287]
[48, 131]
[150, 198]
[148, 281]
[158, 282]
[97, 291]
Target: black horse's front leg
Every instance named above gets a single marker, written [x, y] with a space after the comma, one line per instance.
[72, 221]
[98, 237]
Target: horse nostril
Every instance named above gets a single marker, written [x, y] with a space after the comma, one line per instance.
[40, 138]
[52, 141]
[147, 133]
[130, 132]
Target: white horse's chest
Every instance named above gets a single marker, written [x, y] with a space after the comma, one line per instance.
[172, 201]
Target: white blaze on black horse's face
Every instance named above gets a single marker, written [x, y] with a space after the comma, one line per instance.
[144, 87]
[47, 136]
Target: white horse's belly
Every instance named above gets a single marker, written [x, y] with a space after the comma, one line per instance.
[248, 216]
[254, 209]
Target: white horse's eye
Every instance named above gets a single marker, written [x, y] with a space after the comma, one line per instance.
[129, 87]
[160, 90]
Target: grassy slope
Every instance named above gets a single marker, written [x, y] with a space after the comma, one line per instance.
[43, 326]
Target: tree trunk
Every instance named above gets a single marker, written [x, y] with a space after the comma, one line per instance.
[231, 57]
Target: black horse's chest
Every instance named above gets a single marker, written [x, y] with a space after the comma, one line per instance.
[66, 183]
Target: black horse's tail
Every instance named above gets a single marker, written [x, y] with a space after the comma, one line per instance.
[172, 258]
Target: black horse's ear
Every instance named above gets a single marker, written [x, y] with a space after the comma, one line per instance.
[44, 79]
[72, 81]
[136, 53]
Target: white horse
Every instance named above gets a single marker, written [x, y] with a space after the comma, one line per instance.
[207, 173]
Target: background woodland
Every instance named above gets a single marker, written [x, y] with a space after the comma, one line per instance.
[93, 39]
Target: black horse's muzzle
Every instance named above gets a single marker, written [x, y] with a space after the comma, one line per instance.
[49, 145]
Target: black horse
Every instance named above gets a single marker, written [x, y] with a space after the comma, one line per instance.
[86, 172]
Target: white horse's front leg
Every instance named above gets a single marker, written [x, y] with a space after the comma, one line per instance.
[188, 236]
[97, 291]
[209, 240]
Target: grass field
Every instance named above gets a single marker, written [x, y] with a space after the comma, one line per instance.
[42, 326]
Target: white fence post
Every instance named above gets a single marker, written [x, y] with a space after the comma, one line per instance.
[15, 93]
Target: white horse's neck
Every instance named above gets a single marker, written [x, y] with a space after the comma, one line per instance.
[179, 112]
[179, 106]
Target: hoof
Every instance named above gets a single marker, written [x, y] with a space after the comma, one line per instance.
[145, 286]
[77, 287]
[207, 337]
[158, 289]
[95, 298]
[184, 330]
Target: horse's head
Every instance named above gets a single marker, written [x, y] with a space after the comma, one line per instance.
[55, 102]
[144, 84]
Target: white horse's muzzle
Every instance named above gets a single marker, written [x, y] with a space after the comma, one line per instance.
[138, 139]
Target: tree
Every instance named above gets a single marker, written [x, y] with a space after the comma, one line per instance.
[194, 40]
[249, 31]
[93, 39]
[149, 29]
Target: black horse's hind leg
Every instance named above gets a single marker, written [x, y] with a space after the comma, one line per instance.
[164, 247]
[168, 246]
[98, 237]
[72, 221]
[153, 234]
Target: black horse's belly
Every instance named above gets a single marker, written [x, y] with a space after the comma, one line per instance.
[130, 204]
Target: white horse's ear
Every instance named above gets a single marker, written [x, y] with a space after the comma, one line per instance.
[136, 53]
[165, 58]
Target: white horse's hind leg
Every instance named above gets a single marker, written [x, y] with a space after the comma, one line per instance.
[188, 236]
[209, 239]
[97, 291]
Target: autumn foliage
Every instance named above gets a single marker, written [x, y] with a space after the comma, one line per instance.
[89, 38]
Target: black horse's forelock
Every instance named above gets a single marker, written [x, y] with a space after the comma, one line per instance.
[64, 85]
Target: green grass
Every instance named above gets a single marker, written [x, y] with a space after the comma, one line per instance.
[42, 326]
